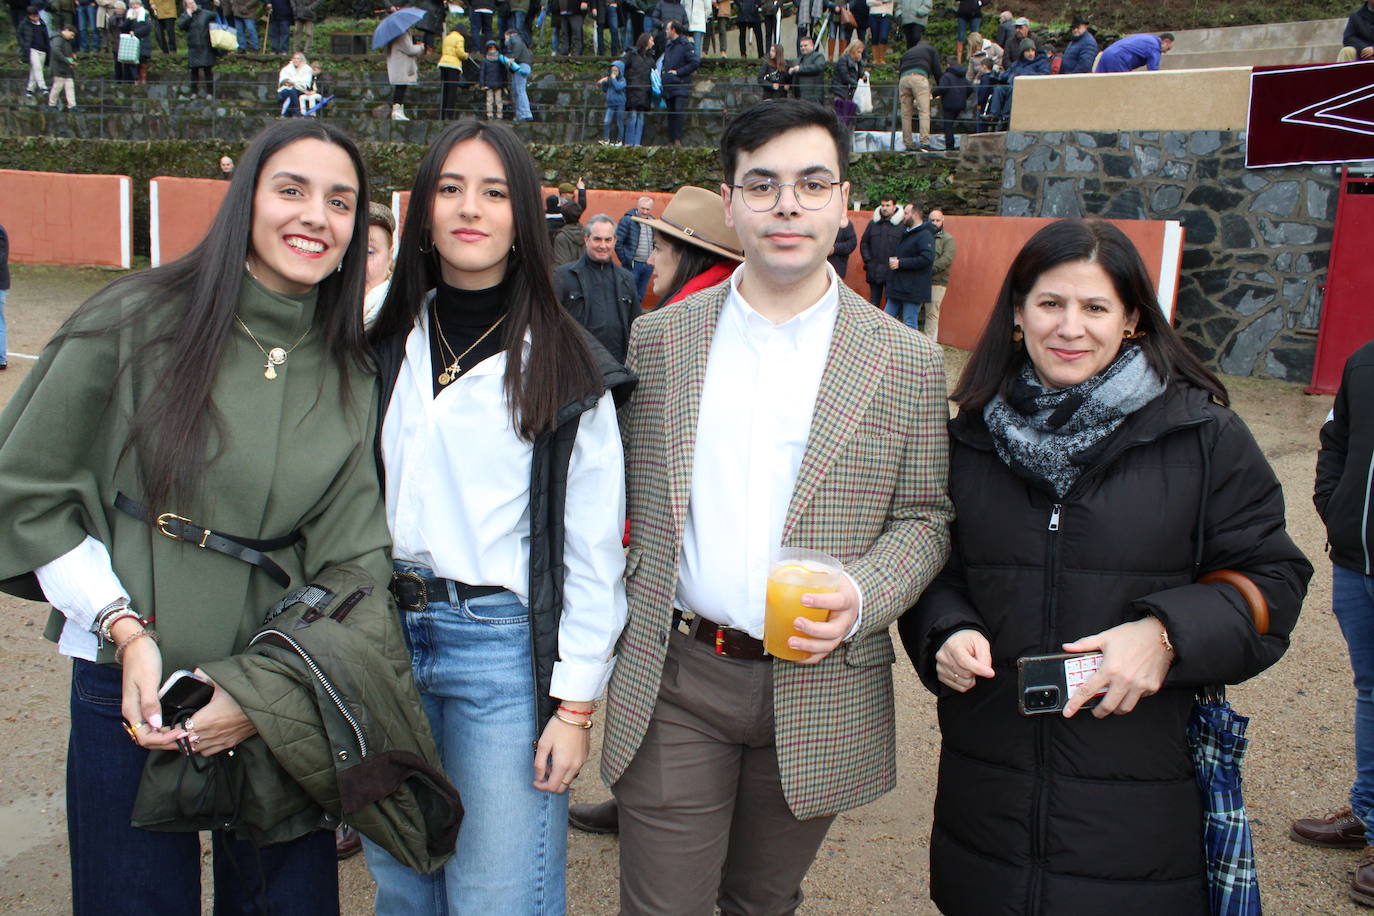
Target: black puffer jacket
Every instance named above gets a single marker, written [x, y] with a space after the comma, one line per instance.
[1345, 467]
[1046, 815]
[548, 492]
[638, 82]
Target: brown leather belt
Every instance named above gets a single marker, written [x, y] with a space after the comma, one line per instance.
[726, 641]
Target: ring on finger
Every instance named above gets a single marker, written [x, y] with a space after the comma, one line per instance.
[188, 724]
[132, 730]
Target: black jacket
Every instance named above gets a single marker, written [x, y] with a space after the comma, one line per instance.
[680, 56]
[1359, 29]
[197, 28]
[638, 82]
[848, 71]
[548, 486]
[910, 282]
[4, 259]
[1046, 815]
[922, 57]
[845, 243]
[954, 90]
[607, 319]
[627, 237]
[32, 36]
[1344, 484]
[880, 243]
[809, 80]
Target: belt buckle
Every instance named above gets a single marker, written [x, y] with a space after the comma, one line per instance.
[167, 518]
[421, 588]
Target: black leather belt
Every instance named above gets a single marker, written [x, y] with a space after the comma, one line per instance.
[413, 591]
[248, 550]
[726, 641]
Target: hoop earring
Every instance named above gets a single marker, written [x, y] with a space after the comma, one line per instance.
[423, 249]
[1016, 334]
[1128, 334]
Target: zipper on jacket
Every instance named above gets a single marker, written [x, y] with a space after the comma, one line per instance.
[1042, 738]
[1054, 516]
[1364, 519]
[323, 679]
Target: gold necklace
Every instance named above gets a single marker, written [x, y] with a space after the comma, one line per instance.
[452, 369]
[275, 356]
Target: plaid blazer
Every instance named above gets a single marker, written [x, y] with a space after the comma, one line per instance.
[871, 492]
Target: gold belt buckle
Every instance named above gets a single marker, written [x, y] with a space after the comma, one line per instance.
[167, 518]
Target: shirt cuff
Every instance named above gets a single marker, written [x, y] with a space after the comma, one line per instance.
[580, 681]
[82, 582]
[859, 619]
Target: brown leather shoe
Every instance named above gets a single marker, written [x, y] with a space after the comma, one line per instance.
[347, 842]
[1362, 881]
[605, 818]
[1338, 830]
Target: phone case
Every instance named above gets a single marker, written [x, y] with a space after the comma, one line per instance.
[1045, 682]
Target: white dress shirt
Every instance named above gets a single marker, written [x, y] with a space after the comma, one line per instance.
[757, 403]
[457, 502]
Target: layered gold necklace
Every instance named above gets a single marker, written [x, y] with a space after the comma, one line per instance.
[451, 371]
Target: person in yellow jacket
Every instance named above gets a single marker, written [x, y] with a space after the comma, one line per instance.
[451, 72]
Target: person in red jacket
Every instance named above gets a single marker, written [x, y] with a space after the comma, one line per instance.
[693, 247]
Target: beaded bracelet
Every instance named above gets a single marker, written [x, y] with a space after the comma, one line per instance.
[573, 722]
[119, 649]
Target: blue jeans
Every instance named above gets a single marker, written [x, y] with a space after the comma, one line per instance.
[471, 660]
[968, 25]
[520, 94]
[118, 869]
[517, 21]
[279, 35]
[290, 100]
[642, 270]
[247, 29]
[878, 28]
[610, 21]
[614, 116]
[481, 29]
[908, 312]
[87, 36]
[634, 133]
[1352, 599]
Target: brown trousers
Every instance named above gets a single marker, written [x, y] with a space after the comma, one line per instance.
[703, 820]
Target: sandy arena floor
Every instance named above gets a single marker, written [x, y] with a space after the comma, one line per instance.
[874, 861]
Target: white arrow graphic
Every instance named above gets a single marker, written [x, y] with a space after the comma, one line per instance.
[1323, 113]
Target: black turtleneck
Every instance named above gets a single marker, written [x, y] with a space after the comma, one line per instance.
[464, 315]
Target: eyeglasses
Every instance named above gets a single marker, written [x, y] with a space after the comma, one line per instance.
[762, 194]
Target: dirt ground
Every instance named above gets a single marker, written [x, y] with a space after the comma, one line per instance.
[874, 860]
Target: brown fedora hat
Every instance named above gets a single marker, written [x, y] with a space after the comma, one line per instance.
[697, 217]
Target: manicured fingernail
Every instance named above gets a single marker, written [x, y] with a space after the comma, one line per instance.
[808, 601]
[155, 720]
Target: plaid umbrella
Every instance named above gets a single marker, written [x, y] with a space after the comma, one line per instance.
[1216, 734]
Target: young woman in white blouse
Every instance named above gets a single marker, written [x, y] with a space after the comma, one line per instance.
[504, 487]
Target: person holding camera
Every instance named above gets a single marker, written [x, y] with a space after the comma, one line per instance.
[1096, 472]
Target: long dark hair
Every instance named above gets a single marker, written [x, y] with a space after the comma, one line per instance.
[560, 366]
[692, 262]
[189, 306]
[996, 360]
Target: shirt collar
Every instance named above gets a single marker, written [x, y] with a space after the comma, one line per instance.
[818, 318]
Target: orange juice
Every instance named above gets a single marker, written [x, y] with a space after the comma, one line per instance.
[787, 582]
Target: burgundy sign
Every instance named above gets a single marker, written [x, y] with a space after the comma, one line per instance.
[1311, 114]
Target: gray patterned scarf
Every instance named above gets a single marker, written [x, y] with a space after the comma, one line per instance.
[1052, 434]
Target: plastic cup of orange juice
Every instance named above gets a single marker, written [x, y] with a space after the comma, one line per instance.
[793, 572]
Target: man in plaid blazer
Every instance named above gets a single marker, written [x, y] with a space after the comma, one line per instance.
[777, 408]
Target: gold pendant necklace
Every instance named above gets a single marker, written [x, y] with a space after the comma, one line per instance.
[275, 356]
[451, 371]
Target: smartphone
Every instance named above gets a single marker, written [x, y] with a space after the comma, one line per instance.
[1045, 682]
[181, 695]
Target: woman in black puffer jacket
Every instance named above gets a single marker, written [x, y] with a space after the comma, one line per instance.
[1083, 462]
[638, 87]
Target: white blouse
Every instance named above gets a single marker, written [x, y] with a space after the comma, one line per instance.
[457, 502]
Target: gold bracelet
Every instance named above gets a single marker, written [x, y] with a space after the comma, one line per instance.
[119, 649]
[1164, 637]
[574, 723]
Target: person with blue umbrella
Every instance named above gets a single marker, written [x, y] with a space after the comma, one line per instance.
[392, 33]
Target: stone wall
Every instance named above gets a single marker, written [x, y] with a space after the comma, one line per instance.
[1257, 240]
